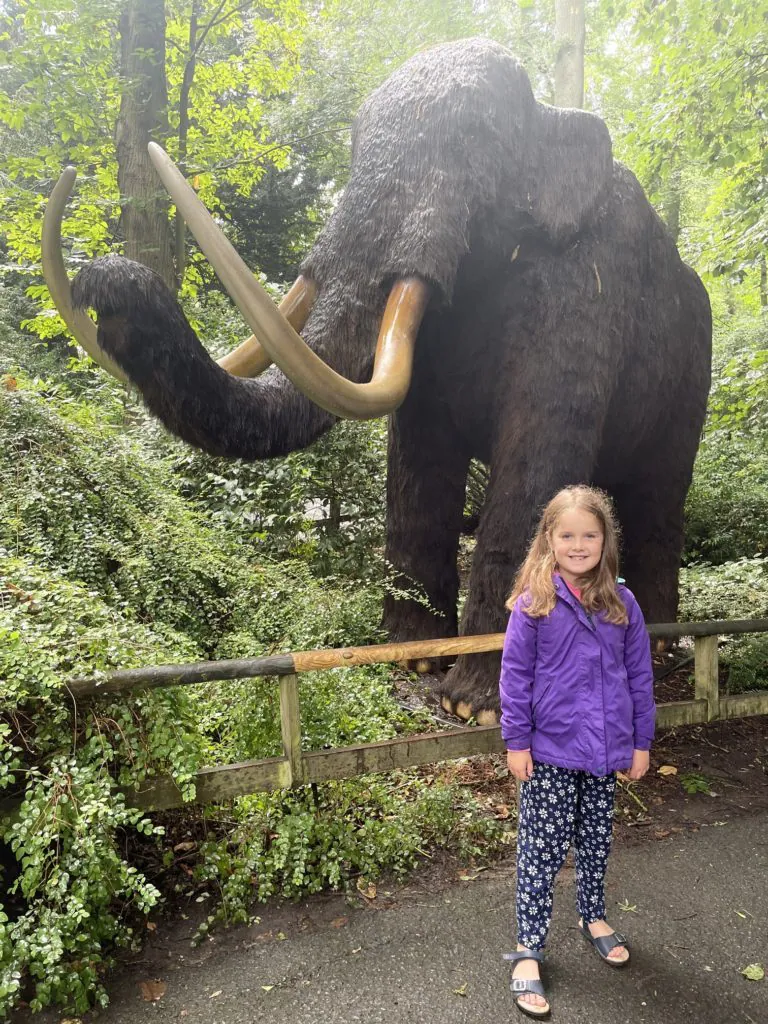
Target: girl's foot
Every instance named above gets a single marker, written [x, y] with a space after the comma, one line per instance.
[600, 929]
[528, 970]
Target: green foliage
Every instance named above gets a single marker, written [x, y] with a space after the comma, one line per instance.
[64, 768]
[339, 708]
[683, 88]
[694, 782]
[324, 505]
[298, 842]
[734, 590]
[727, 507]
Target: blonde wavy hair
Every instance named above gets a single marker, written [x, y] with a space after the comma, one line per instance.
[598, 586]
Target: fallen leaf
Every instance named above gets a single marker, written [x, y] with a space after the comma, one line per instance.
[754, 972]
[185, 846]
[281, 936]
[367, 889]
[627, 908]
[153, 990]
[267, 988]
[738, 913]
[71, 1020]
[151, 926]
[214, 994]
[667, 769]
[461, 991]
[502, 812]
[339, 922]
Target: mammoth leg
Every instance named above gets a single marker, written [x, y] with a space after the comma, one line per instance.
[650, 506]
[533, 459]
[426, 478]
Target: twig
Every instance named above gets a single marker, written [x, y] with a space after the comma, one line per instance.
[635, 797]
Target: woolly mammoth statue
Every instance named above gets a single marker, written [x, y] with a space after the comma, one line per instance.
[493, 282]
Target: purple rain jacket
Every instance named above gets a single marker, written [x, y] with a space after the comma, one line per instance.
[577, 690]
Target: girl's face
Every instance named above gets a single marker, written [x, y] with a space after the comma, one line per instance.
[577, 543]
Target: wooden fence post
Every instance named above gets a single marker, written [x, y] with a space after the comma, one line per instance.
[290, 726]
[706, 674]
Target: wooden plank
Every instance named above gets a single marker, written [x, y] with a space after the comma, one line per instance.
[156, 676]
[227, 781]
[744, 705]
[707, 686]
[290, 726]
[406, 752]
[214, 785]
[681, 712]
[715, 627]
[312, 661]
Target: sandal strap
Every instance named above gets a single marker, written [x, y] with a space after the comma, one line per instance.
[605, 943]
[522, 985]
[525, 954]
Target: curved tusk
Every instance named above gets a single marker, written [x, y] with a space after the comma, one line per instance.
[82, 328]
[250, 359]
[394, 355]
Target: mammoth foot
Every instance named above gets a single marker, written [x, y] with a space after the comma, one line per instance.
[471, 689]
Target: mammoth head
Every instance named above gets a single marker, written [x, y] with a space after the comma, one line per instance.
[451, 155]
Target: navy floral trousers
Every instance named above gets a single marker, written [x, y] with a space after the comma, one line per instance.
[560, 808]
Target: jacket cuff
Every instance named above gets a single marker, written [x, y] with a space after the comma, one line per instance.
[518, 742]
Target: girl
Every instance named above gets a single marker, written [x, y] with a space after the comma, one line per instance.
[576, 706]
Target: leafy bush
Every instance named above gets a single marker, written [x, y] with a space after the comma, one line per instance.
[63, 768]
[727, 506]
[735, 590]
[324, 504]
[293, 843]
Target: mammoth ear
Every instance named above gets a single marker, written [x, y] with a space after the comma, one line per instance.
[574, 166]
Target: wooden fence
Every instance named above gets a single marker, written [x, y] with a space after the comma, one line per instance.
[297, 767]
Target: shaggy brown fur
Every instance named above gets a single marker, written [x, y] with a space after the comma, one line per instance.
[566, 342]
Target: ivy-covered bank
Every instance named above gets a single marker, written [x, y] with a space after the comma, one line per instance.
[109, 559]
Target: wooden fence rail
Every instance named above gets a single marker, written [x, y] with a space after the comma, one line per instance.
[297, 767]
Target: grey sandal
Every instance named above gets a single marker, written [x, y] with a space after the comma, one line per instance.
[605, 943]
[520, 986]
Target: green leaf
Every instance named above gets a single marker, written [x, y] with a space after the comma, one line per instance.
[754, 972]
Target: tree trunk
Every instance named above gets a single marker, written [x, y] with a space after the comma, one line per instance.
[672, 203]
[186, 88]
[569, 55]
[143, 116]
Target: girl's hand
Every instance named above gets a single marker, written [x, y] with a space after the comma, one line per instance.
[520, 763]
[640, 761]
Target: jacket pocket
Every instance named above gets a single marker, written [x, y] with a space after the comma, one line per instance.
[540, 692]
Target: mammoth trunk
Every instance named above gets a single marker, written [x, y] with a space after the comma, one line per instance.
[142, 327]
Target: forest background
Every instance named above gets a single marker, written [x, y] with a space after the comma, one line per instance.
[120, 547]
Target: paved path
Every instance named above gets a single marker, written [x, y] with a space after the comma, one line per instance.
[325, 962]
